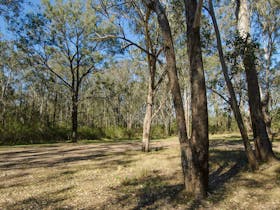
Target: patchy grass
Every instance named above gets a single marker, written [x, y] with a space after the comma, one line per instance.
[117, 175]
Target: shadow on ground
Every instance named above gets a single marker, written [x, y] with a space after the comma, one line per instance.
[43, 201]
[149, 191]
[145, 193]
[153, 191]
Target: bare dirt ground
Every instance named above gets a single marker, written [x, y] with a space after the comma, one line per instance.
[120, 176]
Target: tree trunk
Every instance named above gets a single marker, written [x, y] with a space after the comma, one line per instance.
[259, 127]
[148, 119]
[74, 116]
[233, 101]
[263, 145]
[267, 96]
[198, 177]
[186, 152]
[229, 119]
[187, 110]
[3, 115]
[54, 110]
[266, 115]
[151, 88]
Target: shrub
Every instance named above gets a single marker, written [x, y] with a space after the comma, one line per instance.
[90, 133]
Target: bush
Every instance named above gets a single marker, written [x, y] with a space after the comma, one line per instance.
[122, 133]
[90, 133]
[18, 133]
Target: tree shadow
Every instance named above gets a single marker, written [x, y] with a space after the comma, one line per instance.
[224, 142]
[153, 191]
[145, 192]
[37, 158]
[51, 200]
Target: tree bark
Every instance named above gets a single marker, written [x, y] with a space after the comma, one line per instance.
[74, 116]
[267, 96]
[198, 177]
[151, 88]
[185, 147]
[266, 115]
[54, 110]
[262, 143]
[148, 118]
[229, 120]
[233, 101]
[187, 103]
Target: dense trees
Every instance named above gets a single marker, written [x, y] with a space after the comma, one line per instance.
[92, 69]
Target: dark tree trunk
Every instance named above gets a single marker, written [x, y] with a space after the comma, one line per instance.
[186, 151]
[262, 143]
[266, 115]
[233, 101]
[259, 126]
[54, 110]
[229, 120]
[74, 116]
[198, 179]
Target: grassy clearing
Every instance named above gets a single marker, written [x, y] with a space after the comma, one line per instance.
[119, 176]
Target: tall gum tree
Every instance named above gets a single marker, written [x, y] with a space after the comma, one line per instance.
[64, 40]
[140, 17]
[233, 101]
[267, 15]
[199, 112]
[195, 172]
[152, 53]
[262, 143]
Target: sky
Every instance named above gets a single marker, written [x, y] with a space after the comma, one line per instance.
[27, 8]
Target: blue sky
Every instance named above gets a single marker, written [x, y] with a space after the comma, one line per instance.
[27, 8]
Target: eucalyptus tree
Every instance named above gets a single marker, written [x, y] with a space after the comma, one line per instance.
[194, 152]
[143, 26]
[174, 86]
[62, 39]
[233, 100]
[267, 18]
[152, 46]
[247, 50]
[199, 136]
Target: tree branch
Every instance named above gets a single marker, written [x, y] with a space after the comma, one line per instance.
[216, 92]
[160, 79]
[57, 75]
[196, 22]
[85, 74]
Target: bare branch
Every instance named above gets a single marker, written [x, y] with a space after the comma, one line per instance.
[57, 75]
[90, 69]
[160, 107]
[162, 77]
[219, 94]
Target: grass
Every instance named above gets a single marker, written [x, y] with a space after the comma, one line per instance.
[117, 175]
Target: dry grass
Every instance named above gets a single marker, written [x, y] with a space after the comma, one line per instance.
[120, 176]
